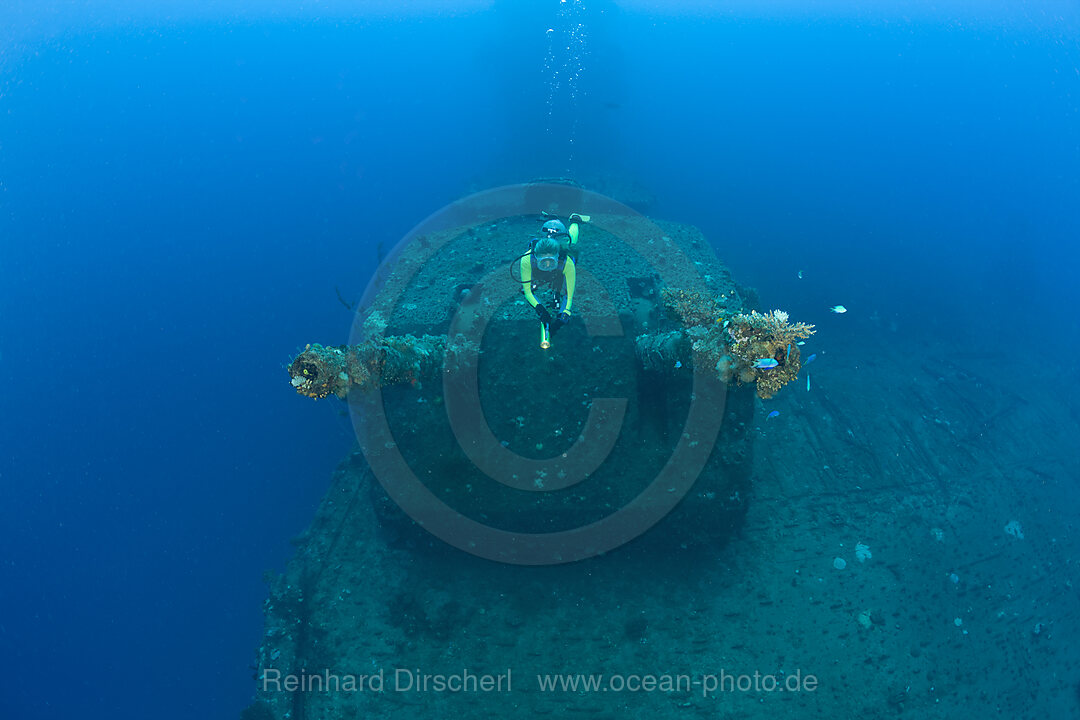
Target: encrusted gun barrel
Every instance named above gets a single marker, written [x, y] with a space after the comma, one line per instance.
[664, 352]
[743, 347]
[321, 371]
[733, 348]
[733, 344]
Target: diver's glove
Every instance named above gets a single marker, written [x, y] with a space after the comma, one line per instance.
[543, 314]
[560, 322]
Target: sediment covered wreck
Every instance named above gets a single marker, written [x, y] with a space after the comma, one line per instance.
[623, 442]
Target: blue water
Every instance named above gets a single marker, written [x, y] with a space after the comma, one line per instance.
[181, 191]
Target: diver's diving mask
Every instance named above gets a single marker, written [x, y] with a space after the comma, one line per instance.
[547, 263]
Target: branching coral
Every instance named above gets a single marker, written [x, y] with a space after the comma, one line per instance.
[736, 344]
[767, 336]
[773, 326]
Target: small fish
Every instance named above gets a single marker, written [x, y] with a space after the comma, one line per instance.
[838, 309]
[766, 363]
[800, 274]
[812, 358]
[773, 414]
[801, 343]
[807, 382]
[678, 364]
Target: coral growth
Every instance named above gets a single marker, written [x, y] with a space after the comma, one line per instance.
[742, 346]
[322, 371]
[704, 321]
[766, 336]
[693, 308]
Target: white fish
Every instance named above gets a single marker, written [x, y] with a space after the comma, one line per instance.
[839, 309]
[800, 274]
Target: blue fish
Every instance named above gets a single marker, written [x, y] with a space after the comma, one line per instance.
[810, 359]
[766, 363]
[773, 414]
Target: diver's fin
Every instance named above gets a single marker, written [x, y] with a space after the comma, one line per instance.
[579, 216]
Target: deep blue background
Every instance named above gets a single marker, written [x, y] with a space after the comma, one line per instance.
[180, 194]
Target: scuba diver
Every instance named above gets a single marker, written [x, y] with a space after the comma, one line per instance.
[550, 266]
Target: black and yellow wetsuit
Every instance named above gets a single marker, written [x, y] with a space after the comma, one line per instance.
[572, 232]
[561, 281]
